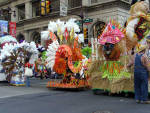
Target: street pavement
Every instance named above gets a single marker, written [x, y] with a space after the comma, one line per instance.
[39, 99]
[37, 86]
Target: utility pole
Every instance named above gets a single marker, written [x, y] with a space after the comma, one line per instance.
[82, 18]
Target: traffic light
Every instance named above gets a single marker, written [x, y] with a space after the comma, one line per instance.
[85, 31]
[48, 6]
[43, 11]
[45, 7]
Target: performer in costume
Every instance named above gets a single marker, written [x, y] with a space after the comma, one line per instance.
[14, 56]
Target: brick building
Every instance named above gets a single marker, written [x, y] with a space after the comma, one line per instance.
[30, 23]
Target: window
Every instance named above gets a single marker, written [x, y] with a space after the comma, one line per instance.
[126, 0]
[5, 14]
[94, 1]
[20, 37]
[21, 12]
[45, 28]
[36, 8]
[74, 3]
[36, 37]
[55, 5]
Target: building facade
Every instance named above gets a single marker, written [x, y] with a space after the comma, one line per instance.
[30, 22]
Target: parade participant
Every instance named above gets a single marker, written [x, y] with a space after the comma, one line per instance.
[28, 72]
[41, 68]
[140, 76]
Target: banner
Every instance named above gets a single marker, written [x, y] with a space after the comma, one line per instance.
[63, 7]
[3, 27]
[12, 29]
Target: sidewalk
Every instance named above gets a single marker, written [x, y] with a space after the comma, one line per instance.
[37, 86]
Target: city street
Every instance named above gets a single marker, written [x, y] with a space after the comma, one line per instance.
[74, 56]
[39, 99]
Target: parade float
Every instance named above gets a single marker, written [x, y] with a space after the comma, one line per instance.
[13, 58]
[116, 44]
[110, 71]
[64, 55]
[5, 39]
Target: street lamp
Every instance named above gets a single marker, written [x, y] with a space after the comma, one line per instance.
[82, 17]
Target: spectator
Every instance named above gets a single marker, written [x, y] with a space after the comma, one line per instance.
[140, 76]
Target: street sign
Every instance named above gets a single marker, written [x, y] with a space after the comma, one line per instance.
[78, 22]
[87, 23]
[63, 7]
[87, 20]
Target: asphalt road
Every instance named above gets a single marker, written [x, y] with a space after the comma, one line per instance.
[53, 101]
[37, 86]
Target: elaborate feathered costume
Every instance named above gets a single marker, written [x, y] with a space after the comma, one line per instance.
[7, 39]
[13, 57]
[64, 50]
[112, 42]
[107, 76]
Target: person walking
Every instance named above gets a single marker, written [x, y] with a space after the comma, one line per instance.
[28, 72]
[140, 76]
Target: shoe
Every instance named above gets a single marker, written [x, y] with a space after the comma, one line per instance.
[145, 102]
[137, 101]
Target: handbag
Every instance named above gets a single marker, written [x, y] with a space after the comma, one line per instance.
[28, 72]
